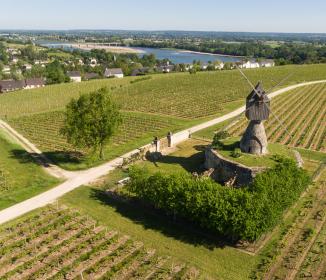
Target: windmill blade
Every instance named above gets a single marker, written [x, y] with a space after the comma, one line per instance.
[246, 78]
[279, 121]
[281, 82]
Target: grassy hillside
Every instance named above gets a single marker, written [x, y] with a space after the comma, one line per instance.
[182, 94]
[20, 176]
[154, 106]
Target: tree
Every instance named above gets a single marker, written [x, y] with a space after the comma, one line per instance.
[55, 73]
[91, 120]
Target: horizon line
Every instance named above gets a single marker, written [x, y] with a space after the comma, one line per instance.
[156, 30]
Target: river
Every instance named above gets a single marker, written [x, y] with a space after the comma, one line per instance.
[176, 56]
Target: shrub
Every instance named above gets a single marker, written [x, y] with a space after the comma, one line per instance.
[236, 153]
[221, 135]
[244, 213]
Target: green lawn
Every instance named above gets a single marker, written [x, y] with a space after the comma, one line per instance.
[21, 178]
[181, 241]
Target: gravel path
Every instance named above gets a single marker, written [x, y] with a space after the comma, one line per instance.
[79, 178]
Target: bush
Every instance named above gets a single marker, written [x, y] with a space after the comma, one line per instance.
[244, 213]
[221, 135]
[236, 153]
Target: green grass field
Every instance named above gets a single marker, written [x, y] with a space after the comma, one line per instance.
[20, 176]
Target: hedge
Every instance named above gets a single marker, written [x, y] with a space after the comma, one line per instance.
[237, 213]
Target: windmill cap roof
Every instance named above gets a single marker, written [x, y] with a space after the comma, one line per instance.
[260, 90]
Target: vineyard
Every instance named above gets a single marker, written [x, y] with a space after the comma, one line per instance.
[44, 131]
[303, 113]
[300, 252]
[63, 244]
[181, 95]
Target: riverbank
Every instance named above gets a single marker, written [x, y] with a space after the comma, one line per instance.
[113, 49]
[206, 53]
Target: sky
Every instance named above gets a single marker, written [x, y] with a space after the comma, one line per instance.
[204, 15]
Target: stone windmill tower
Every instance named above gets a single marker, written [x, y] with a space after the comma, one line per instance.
[254, 140]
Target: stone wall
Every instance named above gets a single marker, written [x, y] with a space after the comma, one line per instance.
[226, 170]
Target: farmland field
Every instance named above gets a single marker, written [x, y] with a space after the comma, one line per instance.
[59, 243]
[136, 130]
[299, 250]
[154, 106]
[303, 113]
[205, 94]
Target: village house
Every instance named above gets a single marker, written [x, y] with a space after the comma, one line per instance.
[14, 60]
[204, 65]
[113, 72]
[40, 62]
[218, 65]
[93, 62]
[188, 67]
[267, 63]
[165, 69]
[140, 71]
[248, 64]
[74, 76]
[27, 67]
[11, 85]
[34, 83]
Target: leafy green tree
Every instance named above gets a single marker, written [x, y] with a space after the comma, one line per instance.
[55, 73]
[91, 120]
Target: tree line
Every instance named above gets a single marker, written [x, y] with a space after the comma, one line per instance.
[285, 53]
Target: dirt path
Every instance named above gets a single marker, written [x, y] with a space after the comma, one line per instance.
[79, 178]
[29, 147]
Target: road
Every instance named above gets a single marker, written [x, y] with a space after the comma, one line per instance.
[79, 178]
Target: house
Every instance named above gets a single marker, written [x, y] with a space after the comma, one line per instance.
[27, 67]
[140, 71]
[249, 64]
[90, 76]
[14, 60]
[188, 67]
[34, 83]
[74, 76]
[267, 63]
[165, 69]
[93, 62]
[204, 65]
[113, 72]
[218, 65]
[11, 85]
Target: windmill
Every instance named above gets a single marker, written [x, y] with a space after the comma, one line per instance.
[254, 140]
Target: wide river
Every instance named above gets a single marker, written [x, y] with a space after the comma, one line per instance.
[176, 56]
